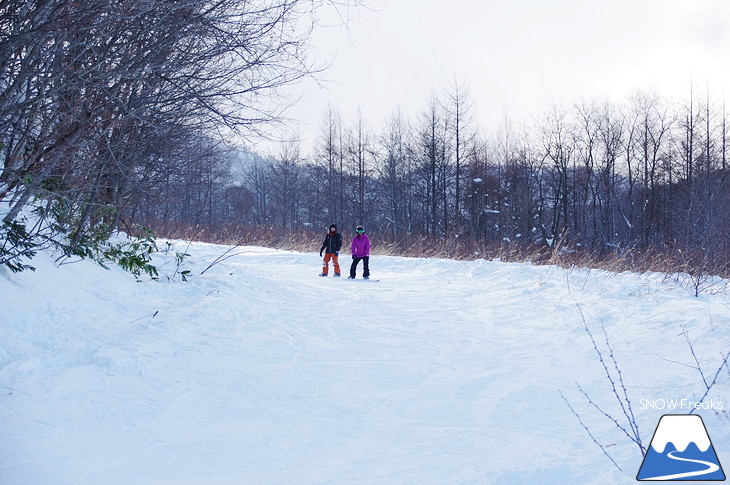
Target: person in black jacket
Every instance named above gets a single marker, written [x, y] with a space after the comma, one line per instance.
[331, 246]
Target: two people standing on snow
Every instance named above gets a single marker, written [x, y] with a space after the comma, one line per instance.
[360, 249]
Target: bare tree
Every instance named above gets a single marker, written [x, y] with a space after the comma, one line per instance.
[92, 93]
[558, 144]
[286, 185]
[431, 149]
[393, 167]
[359, 152]
[647, 125]
[329, 154]
[459, 107]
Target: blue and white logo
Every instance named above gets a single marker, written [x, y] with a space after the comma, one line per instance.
[681, 450]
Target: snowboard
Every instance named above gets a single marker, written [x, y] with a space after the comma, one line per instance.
[346, 278]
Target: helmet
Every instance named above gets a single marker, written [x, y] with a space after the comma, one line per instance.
[359, 229]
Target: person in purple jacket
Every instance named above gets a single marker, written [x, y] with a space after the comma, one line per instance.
[360, 252]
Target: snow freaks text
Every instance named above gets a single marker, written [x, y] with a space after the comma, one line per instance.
[679, 405]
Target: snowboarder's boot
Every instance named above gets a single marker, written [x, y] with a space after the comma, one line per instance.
[350, 277]
[323, 274]
[337, 275]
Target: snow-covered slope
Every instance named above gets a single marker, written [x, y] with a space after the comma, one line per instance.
[258, 371]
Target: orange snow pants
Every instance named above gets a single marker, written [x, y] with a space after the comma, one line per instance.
[333, 257]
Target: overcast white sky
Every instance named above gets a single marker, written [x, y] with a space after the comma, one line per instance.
[517, 56]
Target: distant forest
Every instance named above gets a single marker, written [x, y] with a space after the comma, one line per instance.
[114, 117]
[601, 177]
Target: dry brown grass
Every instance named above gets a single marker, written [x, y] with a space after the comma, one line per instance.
[563, 253]
[240, 235]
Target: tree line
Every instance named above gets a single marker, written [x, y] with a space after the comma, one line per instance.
[645, 174]
[117, 114]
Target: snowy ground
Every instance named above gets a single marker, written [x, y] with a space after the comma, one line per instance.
[258, 371]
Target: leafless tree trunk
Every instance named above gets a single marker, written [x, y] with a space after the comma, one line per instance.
[328, 152]
[460, 106]
[392, 172]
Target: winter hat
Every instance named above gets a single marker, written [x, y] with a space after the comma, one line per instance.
[359, 229]
[333, 225]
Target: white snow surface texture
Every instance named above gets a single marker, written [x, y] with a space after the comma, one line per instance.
[260, 372]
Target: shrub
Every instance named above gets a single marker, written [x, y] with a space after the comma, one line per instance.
[17, 246]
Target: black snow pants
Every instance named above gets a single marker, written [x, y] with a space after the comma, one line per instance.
[366, 266]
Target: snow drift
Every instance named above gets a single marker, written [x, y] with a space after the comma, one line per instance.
[259, 371]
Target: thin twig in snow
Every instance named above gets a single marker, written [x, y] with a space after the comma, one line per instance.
[225, 255]
[147, 316]
[628, 411]
[611, 418]
[694, 356]
[603, 449]
[714, 379]
[625, 402]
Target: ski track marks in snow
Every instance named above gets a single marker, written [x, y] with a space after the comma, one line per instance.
[259, 371]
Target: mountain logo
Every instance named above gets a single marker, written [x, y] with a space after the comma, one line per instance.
[681, 450]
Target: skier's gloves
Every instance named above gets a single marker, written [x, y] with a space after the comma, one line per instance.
[337, 253]
[320, 254]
